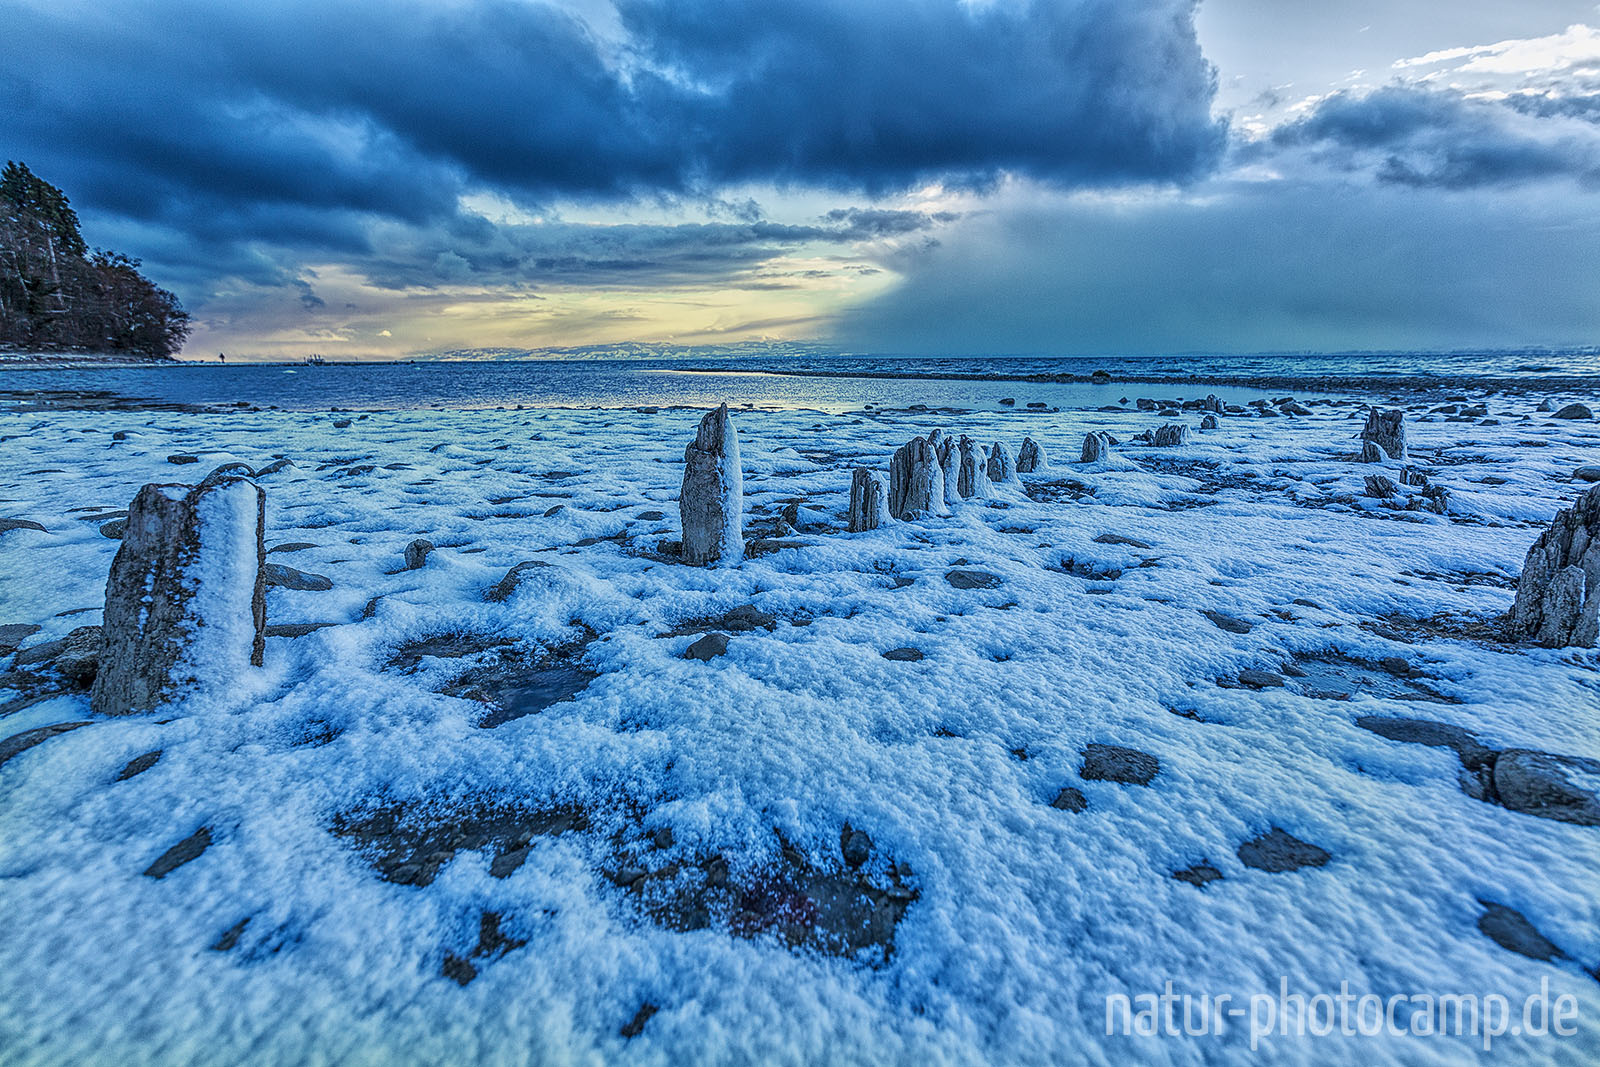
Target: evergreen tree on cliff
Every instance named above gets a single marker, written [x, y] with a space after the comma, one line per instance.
[57, 295]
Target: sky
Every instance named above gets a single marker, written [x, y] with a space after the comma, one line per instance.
[899, 176]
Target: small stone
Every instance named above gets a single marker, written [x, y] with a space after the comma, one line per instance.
[1119, 539]
[707, 648]
[79, 658]
[1512, 931]
[903, 655]
[1586, 474]
[181, 458]
[1228, 622]
[1070, 798]
[1199, 875]
[184, 851]
[139, 764]
[1114, 763]
[1209, 423]
[1257, 679]
[663, 838]
[855, 846]
[1008, 402]
[1545, 405]
[651, 516]
[1278, 851]
[972, 579]
[341, 424]
[114, 529]
[417, 553]
[282, 577]
[1574, 411]
[635, 1026]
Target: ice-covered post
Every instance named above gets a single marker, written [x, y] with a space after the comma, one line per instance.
[1387, 431]
[1030, 457]
[1001, 467]
[711, 502]
[186, 606]
[916, 481]
[973, 477]
[869, 500]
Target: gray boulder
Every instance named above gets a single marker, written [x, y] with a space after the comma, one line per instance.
[972, 479]
[1209, 422]
[1171, 435]
[1558, 595]
[1574, 411]
[1030, 457]
[711, 501]
[1096, 447]
[186, 604]
[417, 553]
[916, 481]
[1212, 403]
[1386, 430]
[869, 500]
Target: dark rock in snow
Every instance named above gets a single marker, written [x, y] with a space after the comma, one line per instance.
[1586, 474]
[1386, 430]
[1096, 447]
[1114, 763]
[1548, 785]
[869, 500]
[1070, 798]
[1030, 457]
[1257, 679]
[13, 634]
[972, 579]
[707, 648]
[1574, 411]
[508, 585]
[1001, 468]
[181, 458]
[186, 597]
[1199, 875]
[1119, 539]
[114, 529]
[1278, 850]
[7, 525]
[1228, 622]
[79, 658]
[17, 744]
[1512, 931]
[855, 846]
[903, 655]
[185, 851]
[1171, 435]
[1209, 423]
[417, 553]
[282, 577]
[635, 1026]
[1558, 594]
[139, 764]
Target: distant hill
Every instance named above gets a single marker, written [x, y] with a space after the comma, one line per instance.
[58, 295]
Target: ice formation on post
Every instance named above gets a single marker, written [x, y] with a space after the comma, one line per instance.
[1030, 456]
[1001, 466]
[916, 480]
[1096, 447]
[972, 478]
[1558, 595]
[711, 501]
[869, 500]
[1386, 430]
[1171, 435]
[186, 605]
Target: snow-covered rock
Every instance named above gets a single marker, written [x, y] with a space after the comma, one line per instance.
[869, 500]
[1001, 467]
[186, 599]
[711, 500]
[1558, 595]
[1030, 457]
[1171, 435]
[1387, 430]
[1096, 447]
[972, 478]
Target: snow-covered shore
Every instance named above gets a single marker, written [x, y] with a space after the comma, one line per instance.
[1013, 917]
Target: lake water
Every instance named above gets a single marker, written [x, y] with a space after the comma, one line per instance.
[747, 380]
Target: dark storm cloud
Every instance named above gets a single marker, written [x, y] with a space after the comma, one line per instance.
[1443, 139]
[296, 123]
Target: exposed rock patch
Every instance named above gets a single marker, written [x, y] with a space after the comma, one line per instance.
[1114, 763]
[1277, 851]
[1558, 595]
[711, 500]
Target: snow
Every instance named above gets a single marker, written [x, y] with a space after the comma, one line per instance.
[1028, 917]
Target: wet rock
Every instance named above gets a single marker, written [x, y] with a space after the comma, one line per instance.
[707, 648]
[186, 598]
[1030, 457]
[417, 553]
[17, 744]
[1008, 402]
[1574, 411]
[1228, 622]
[1586, 474]
[1548, 785]
[1199, 875]
[13, 634]
[185, 851]
[7, 525]
[972, 476]
[651, 516]
[916, 481]
[1070, 798]
[1512, 931]
[1096, 447]
[1114, 763]
[1171, 435]
[282, 577]
[514, 577]
[1558, 594]
[1144, 403]
[139, 764]
[1278, 851]
[711, 501]
[1387, 430]
[869, 500]
[972, 579]
[1001, 468]
[181, 458]
[903, 655]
